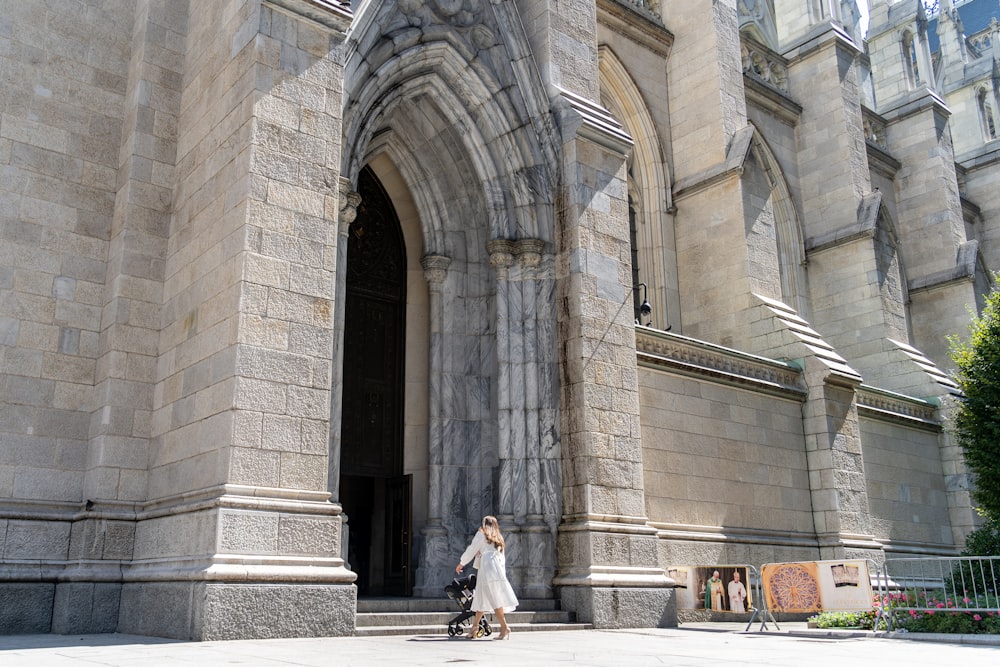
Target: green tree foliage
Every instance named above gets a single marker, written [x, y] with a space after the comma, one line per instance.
[977, 419]
[985, 540]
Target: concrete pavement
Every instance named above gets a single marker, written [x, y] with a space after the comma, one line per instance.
[687, 646]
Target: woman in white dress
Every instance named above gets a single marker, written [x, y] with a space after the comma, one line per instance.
[493, 591]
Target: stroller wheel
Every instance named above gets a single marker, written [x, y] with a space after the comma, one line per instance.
[485, 628]
[451, 631]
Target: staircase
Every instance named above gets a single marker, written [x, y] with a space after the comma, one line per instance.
[429, 616]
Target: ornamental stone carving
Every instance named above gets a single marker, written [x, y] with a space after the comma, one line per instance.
[459, 13]
[435, 267]
[349, 201]
[529, 251]
[501, 253]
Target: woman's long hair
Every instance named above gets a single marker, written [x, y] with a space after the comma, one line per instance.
[491, 529]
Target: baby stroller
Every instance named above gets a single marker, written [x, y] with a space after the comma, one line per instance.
[460, 590]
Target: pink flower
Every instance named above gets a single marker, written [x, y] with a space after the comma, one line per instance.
[977, 617]
[913, 613]
[940, 605]
[966, 600]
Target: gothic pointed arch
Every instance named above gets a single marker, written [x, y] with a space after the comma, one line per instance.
[443, 90]
[777, 222]
[460, 70]
[649, 188]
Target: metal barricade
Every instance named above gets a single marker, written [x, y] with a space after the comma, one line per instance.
[941, 584]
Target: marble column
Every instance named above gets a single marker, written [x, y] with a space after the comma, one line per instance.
[436, 567]
[501, 252]
[535, 565]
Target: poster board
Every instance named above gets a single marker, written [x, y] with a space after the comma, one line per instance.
[720, 588]
[815, 586]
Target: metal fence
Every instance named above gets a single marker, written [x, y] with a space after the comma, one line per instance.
[938, 585]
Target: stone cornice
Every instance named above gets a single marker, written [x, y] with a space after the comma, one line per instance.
[912, 103]
[637, 23]
[769, 98]
[329, 14]
[889, 406]
[679, 354]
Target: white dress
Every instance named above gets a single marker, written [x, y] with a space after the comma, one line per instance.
[493, 591]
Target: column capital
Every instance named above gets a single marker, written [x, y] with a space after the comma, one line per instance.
[501, 253]
[529, 251]
[349, 200]
[435, 267]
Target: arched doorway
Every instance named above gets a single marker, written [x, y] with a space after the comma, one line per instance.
[374, 492]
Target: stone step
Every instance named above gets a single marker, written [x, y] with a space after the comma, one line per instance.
[431, 616]
[386, 630]
[427, 618]
[442, 604]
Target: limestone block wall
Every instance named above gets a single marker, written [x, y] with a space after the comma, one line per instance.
[62, 97]
[61, 101]
[906, 485]
[725, 466]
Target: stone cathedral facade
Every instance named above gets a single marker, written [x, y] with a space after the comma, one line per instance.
[293, 292]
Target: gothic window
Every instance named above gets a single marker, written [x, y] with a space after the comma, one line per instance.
[987, 118]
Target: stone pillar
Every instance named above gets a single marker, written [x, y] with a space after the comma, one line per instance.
[538, 545]
[831, 429]
[940, 261]
[501, 259]
[436, 565]
[833, 173]
[349, 202]
[239, 538]
[607, 554]
[116, 476]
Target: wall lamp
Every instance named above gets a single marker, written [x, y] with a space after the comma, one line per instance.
[645, 310]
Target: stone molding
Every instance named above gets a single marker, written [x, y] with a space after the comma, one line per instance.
[721, 534]
[677, 353]
[736, 155]
[963, 271]
[885, 405]
[864, 228]
[768, 98]
[636, 22]
[333, 16]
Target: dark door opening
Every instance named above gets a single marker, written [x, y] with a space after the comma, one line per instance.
[374, 492]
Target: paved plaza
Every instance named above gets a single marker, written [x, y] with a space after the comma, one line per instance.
[682, 647]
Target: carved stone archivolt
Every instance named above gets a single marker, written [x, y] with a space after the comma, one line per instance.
[459, 13]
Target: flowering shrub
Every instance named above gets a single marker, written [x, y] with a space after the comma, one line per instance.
[951, 616]
[939, 614]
